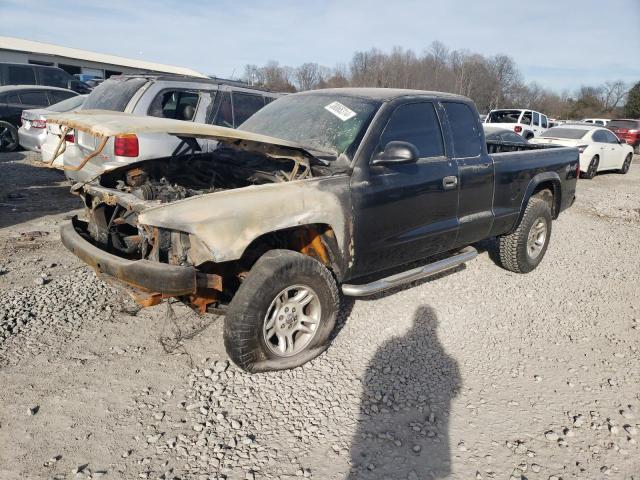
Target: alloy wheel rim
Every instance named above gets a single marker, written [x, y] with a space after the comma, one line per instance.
[537, 238]
[292, 320]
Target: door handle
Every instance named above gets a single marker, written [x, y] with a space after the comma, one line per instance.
[449, 182]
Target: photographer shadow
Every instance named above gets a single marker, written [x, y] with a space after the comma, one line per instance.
[403, 430]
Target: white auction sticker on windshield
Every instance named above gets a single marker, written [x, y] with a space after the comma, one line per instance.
[340, 111]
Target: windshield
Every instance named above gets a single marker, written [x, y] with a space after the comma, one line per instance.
[113, 94]
[504, 116]
[68, 104]
[322, 122]
[569, 133]
[630, 124]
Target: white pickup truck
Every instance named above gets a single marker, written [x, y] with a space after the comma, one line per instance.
[527, 123]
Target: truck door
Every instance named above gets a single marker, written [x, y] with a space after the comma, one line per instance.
[475, 171]
[405, 212]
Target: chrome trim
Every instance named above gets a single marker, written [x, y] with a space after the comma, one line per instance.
[465, 255]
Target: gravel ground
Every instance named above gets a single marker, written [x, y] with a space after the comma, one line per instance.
[480, 373]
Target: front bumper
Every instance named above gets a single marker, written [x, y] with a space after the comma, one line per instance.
[149, 276]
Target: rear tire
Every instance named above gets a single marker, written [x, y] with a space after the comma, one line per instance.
[522, 250]
[592, 169]
[8, 137]
[271, 324]
[626, 164]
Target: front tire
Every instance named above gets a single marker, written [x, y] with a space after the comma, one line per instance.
[283, 313]
[592, 169]
[522, 250]
[626, 164]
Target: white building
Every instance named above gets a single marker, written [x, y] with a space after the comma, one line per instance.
[74, 61]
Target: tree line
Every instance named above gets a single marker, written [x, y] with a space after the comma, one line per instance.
[491, 82]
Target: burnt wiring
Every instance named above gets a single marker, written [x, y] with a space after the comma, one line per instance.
[178, 328]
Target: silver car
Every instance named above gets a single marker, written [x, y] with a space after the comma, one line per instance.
[215, 101]
[33, 132]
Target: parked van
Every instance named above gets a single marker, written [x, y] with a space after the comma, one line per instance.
[527, 123]
[27, 74]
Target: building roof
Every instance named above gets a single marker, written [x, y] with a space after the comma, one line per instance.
[21, 45]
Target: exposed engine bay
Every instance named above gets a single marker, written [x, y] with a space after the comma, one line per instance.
[175, 178]
[113, 219]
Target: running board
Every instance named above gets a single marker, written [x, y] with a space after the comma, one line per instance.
[464, 255]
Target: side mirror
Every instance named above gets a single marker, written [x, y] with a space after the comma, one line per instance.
[622, 141]
[396, 152]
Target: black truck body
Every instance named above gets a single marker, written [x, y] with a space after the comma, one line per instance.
[404, 176]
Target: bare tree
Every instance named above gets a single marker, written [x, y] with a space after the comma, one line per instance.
[493, 82]
[308, 76]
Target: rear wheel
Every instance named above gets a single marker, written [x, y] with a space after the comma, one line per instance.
[626, 164]
[592, 169]
[283, 313]
[8, 137]
[522, 250]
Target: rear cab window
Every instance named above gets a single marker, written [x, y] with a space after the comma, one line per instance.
[465, 129]
[418, 124]
[113, 94]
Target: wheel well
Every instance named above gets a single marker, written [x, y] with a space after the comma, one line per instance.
[550, 193]
[315, 240]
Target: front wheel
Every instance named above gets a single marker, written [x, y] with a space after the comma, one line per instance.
[522, 250]
[626, 164]
[283, 313]
[8, 137]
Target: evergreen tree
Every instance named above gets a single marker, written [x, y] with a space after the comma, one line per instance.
[632, 108]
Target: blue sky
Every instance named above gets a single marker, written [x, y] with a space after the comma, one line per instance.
[560, 44]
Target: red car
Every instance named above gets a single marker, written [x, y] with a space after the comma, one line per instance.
[628, 130]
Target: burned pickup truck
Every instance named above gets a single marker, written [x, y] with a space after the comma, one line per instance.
[344, 190]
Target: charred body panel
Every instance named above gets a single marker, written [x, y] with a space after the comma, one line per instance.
[228, 222]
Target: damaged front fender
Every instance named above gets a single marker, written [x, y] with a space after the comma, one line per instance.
[228, 222]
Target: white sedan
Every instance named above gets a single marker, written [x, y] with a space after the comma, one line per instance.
[599, 148]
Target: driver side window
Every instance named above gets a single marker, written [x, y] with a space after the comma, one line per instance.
[415, 123]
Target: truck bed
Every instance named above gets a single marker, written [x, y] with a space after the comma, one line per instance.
[516, 165]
